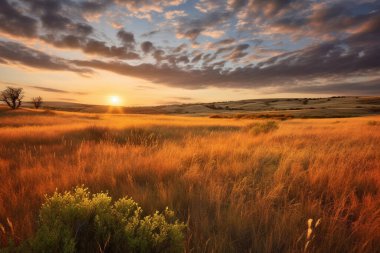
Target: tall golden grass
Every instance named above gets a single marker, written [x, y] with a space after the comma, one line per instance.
[238, 189]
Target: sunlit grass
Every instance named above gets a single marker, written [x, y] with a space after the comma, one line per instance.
[241, 185]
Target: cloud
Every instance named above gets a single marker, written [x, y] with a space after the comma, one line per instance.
[100, 48]
[151, 33]
[15, 23]
[208, 5]
[92, 46]
[182, 98]
[160, 74]
[127, 38]
[216, 34]
[197, 58]
[145, 87]
[94, 6]
[192, 28]
[180, 48]
[336, 17]
[138, 8]
[323, 20]
[159, 55]
[143, 9]
[47, 89]
[220, 43]
[61, 31]
[69, 99]
[11, 52]
[147, 46]
[355, 56]
[238, 52]
[175, 13]
[369, 88]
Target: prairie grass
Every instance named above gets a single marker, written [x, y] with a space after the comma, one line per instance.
[237, 191]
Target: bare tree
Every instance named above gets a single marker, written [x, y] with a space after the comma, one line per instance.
[37, 102]
[12, 97]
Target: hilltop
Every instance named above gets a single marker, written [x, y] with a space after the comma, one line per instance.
[329, 107]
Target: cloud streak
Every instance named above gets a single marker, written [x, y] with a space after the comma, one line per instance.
[47, 89]
[15, 53]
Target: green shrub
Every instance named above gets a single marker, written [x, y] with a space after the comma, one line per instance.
[258, 128]
[78, 221]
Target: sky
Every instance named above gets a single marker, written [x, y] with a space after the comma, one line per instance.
[150, 52]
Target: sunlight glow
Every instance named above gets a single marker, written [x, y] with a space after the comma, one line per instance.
[114, 100]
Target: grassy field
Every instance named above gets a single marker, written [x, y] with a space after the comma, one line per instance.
[241, 185]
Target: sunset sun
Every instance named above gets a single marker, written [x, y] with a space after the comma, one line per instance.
[114, 100]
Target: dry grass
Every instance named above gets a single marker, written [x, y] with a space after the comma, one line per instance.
[239, 191]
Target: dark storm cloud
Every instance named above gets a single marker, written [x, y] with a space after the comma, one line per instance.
[12, 52]
[16, 23]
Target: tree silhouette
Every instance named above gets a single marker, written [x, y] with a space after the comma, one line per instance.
[12, 97]
[37, 102]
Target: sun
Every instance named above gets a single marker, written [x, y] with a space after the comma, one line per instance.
[114, 100]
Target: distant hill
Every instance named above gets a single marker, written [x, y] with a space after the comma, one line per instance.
[282, 107]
